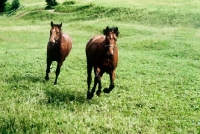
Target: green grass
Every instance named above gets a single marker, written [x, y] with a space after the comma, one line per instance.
[157, 78]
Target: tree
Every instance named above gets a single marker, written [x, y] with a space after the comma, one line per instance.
[2, 5]
[51, 3]
[15, 4]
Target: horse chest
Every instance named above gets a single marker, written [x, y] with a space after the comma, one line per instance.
[106, 65]
[54, 53]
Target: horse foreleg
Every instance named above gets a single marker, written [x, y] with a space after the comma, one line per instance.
[112, 77]
[48, 69]
[57, 72]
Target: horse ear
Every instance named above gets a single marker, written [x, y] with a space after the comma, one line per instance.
[51, 23]
[105, 31]
[59, 26]
[116, 31]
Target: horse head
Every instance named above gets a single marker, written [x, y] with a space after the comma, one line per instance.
[111, 35]
[55, 33]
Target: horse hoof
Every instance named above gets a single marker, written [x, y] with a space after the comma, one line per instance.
[106, 90]
[98, 93]
[55, 83]
[46, 78]
[89, 96]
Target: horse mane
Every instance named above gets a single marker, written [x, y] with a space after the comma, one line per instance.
[111, 29]
[57, 25]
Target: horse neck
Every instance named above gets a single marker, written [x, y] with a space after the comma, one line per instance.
[60, 38]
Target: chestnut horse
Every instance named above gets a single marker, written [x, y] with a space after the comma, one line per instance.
[102, 54]
[58, 48]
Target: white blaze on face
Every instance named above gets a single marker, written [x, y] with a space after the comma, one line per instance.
[111, 36]
[53, 35]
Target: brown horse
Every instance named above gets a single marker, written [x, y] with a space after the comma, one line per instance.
[102, 54]
[58, 48]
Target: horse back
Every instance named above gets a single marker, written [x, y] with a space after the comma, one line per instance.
[94, 47]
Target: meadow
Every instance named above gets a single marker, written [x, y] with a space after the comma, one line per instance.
[157, 86]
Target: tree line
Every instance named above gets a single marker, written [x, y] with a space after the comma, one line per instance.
[6, 6]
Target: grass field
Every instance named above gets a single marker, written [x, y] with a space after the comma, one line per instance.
[157, 79]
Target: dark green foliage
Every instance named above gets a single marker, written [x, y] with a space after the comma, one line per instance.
[15, 4]
[8, 6]
[2, 5]
[51, 4]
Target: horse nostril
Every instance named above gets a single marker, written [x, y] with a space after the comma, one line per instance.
[109, 55]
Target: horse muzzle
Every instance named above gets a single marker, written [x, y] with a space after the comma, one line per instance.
[109, 55]
[110, 51]
[51, 43]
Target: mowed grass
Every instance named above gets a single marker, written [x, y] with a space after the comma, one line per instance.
[157, 78]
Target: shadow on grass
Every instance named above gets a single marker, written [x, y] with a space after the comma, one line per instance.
[35, 78]
[30, 77]
[58, 96]
[54, 95]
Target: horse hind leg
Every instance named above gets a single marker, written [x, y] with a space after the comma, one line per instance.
[98, 93]
[97, 80]
[91, 94]
[57, 72]
[89, 80]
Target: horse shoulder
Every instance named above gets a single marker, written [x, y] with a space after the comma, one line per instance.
[115, 58]
[67, 40]
[95, 43]
[94, 47]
